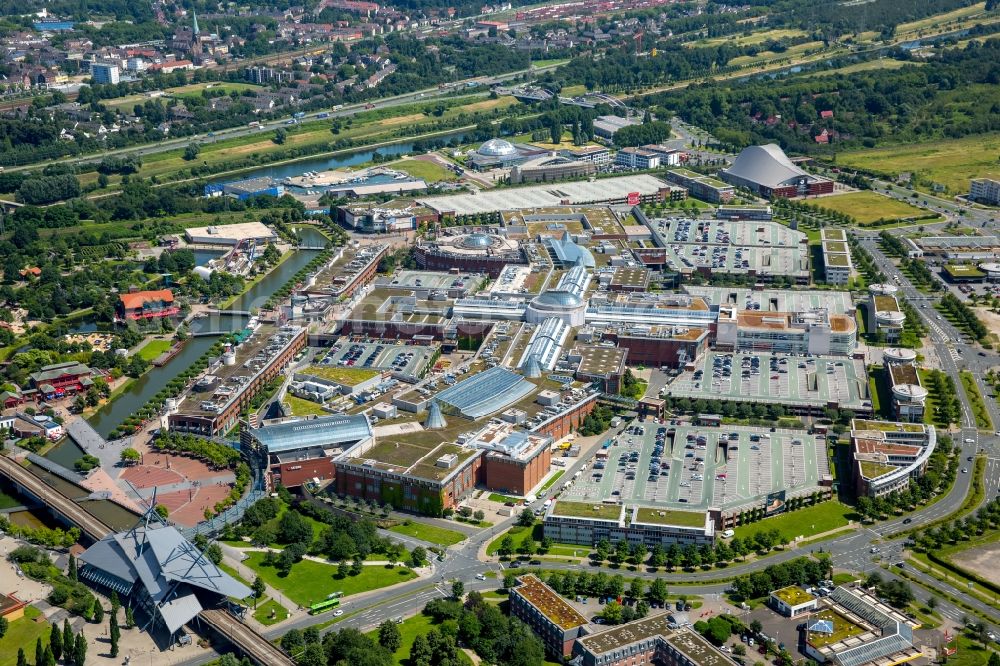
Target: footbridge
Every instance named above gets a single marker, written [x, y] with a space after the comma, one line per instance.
[29, 484]
[251, 643]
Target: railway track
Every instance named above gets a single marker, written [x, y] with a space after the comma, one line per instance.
[255, 646]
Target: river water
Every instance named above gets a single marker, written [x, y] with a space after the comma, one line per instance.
[343, 160]
[140, 391]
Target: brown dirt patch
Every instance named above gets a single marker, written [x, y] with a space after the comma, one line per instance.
[981, 561]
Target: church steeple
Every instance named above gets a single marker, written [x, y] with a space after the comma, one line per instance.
[194, 27]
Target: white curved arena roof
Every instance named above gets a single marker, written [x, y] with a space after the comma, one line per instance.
[767, 165]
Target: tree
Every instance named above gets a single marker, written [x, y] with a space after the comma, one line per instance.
[191, 152]
[68, 641]
[214, 554]
[258, 588]
[55, 642]
[80, 650]
[526, 519]
[162, 511]
[280, 135]
[130, 456]
[418, 556]
[21, 659]
[509, 580]
[98, 612]
[756, 627]
[40, 652]
[114, 633]
[506, 546]
[314, 655]
[129, 618]
[293, 641]
[71, 574]
[658, 590]
[457, 590]
[612, 612]
[389, 635]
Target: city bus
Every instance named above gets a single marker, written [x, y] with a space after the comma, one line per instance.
[329, 603]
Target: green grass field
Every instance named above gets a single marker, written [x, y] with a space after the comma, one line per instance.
[263, 612]
[303, 407]
[23, 633]
[868, 207]
[418, 625]
[806, 522]
[431, 533]
[309, 581]
[951, 162]
[868, 65]
[430, 172]
[154, 348]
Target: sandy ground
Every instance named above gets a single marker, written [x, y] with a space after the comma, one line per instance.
[991, 319]
[982, 561]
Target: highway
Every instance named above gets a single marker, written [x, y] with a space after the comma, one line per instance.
[343, 111]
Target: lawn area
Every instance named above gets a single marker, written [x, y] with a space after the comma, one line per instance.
[23, 633]
[806, 522]
[431, 533]
[310, 581]
[553, 479]
[949, 162]
[430, 172]
[970, 652]
[196, 88]
[418, 625]
[549, 63]
[868, 65]
[519, 534]
[503, 499]
[303, 407]
[263, 612]
[983, 421]
[154, 348]
[868, 207]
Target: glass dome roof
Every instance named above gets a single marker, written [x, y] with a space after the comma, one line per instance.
[558, 299]
[477, 241]
[497, 148]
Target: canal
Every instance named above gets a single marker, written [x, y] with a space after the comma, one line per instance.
[299, 167]
[141, 390]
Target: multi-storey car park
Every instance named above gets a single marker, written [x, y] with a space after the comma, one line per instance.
[767, 250]
[806, 385]
[676, 483]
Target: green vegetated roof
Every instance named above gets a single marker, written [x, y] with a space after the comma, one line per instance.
[793, 595]
[345, 376]
[587, 510]
[670, 517]
[873, 470]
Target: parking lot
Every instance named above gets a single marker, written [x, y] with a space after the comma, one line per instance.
[776, 378]
[775, 300]
[689, 467]
[407, 360]
[733, 247]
